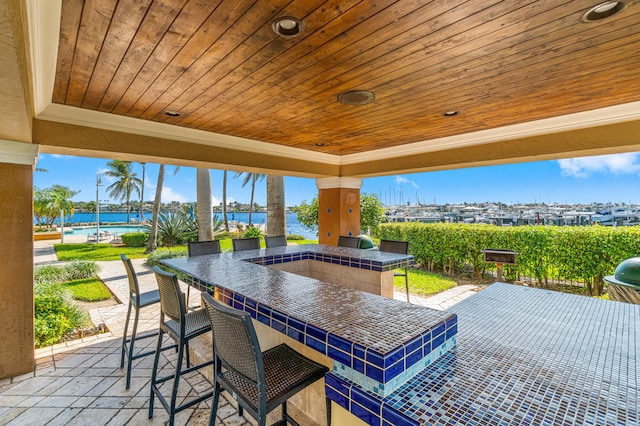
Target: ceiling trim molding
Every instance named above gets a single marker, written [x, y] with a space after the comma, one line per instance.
[18, 153]
[581, 120]
[339, 182]
[105, 121]
[44, 29]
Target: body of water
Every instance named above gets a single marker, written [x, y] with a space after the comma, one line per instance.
[293, 226]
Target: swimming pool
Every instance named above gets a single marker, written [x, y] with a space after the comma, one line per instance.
[113, 229]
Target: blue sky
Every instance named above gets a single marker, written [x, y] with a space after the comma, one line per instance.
[609, 179]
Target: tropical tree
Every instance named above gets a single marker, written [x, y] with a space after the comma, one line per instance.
[152, 244]
[142, 192]
[205, 208]
[91, 208]
[50, 203]
[127, 182]
[250, 178]
[371, 213]
[224, 201]
[276, 224]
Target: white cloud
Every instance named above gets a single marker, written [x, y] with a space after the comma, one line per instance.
[168, 195]
[400, 180]
[603, 164]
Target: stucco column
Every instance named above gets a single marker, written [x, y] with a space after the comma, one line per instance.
[16, 258]
[338, 208]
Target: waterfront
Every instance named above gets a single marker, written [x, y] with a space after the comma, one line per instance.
[257, 218]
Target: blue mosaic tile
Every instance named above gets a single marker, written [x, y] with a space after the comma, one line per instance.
[393, 357]
[279, 326]
[339, 356]
[298, 325]
[358, 350]
[374, 372]
[264, 319]
[395, 418]
[367, 401]
[316, 332]
[365, 415]
[316, 344]
[358, 365]
[340, 343]
[278, 316]
[374, 358]
[413, 345]
[337, 397]
[295, 334]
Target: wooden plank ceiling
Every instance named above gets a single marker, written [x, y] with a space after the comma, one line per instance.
[220, 66]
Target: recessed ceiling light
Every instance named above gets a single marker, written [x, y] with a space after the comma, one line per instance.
[287, 26]
[451, 113]
[172, 113]
[603, 10]
[356, 97]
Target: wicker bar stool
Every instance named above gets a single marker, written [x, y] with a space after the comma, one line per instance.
[240, 244]
[259, 381]
[276, 241]
[137, 301]
[400, 247]
[349, 242]
[181, 326]
[201, 248]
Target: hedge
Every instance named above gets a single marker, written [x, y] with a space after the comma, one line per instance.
[135, 239]
[575, 254]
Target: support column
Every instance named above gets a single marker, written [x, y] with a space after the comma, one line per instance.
[16, 258]
[338, 208]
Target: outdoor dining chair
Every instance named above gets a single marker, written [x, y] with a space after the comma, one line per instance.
[137, 301]
[276, 241]
[181, 326]
[201, 248]
[240, 244]
[349, 242]
[259, 381]
[400, 247]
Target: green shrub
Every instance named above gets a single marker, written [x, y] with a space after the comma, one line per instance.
[55, 315]
[295, 237]
[225, 235]
[252, 232]
[176, 228]
[576, 254]
[135, 239]
[72, 271]
[48, 274]
[80, 269]
[88, 290]
[158, 255]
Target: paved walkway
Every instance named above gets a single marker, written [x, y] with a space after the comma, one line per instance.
[81, 383]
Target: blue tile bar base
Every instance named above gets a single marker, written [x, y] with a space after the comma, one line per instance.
[523, 357]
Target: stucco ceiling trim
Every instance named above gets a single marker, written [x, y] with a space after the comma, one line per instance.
[582, 120]
[101, 120]
[18, 152]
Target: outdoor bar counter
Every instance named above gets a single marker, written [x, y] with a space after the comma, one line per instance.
[373, 344]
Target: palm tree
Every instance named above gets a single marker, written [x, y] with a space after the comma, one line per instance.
[152, 244]
[205, 221]
[127, 182]
[275, 206]
[142, 192]
[224, 201]
[253, 178]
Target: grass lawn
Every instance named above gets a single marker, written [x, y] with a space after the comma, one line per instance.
[72, 251]
[88, 290]
[424, 283]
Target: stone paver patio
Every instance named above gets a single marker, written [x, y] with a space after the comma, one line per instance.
[81, 383]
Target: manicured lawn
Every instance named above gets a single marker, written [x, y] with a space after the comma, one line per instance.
[109, 252]
[424, 283]
[88, 290]
[96, 252]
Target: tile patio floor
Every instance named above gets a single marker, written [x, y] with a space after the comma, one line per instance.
[81, 383]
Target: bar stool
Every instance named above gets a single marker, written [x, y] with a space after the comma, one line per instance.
[276, 241]
[137, 301]
[349, 242]
[399, 247]
[259, 381]
[240, 244]
[201, 248]
[181, 326]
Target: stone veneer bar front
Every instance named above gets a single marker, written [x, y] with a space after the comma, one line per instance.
[376, 343]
